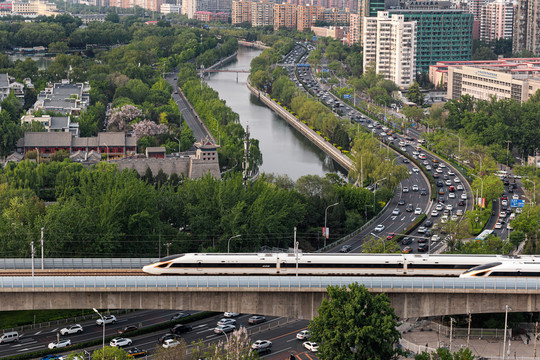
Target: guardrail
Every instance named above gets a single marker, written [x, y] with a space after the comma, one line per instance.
[263, 282]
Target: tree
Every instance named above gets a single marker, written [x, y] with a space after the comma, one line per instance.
[110, 353]
[376, 245]
[414, 94]
[178, 352]
[237, 347]
[484, 53]
[492, 189]
[516, 237]
[445, 354]
[353, 324]
[10, 133]
[112, 17]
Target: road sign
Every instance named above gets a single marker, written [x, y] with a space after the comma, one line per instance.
[347, 96]
[517, 203]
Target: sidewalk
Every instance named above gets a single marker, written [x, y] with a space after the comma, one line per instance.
[490, 348]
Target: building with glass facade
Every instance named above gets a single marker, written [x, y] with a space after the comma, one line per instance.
[441, 35]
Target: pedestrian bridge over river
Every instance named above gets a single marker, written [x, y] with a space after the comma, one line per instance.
[289, 296]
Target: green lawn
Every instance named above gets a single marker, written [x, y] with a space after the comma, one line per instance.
[9, 319]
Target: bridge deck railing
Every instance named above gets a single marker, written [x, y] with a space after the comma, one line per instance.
[269, 282]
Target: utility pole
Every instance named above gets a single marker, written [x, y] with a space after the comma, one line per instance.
[451, 331]
[507, 151]
[535, 338]
[168, 246]
[42, 250]
[32, 248]
[246, 157]
[296, 250]
[469, 330]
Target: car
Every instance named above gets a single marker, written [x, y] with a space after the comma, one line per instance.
[498, 225]
[444, 219]
[456, 180]
[405, 160]
[345, 249]
[395, 212]
[434, 213]
[440, 183]
[226, 322]
[422, 229]
[454, 217]
[59, 344]
[439, 170]
[311, 346]
[121, 342]
[452, 188]
[435, 175]
[303, 335]
[410, 208]
[417, 211]
[222, 329]
[390, 236]
[51, 357]
[422, 247]
[167, 336]
[136, 352]
[441, 191]
[448, 182]
[449, 207]
[428, 167]
[415, 169]
[439, 207]
[502, 214]
[379, 228]
[107, 319]
[73, 329]
[406, 241]
[435, 238]
[425, 162]
[515, 197]
[179, 316]
[171, 343]
[442, 199]
[406, 250]
[509, 227]
[181, 328]
[459, 187]
[442, 165]
[405, 189]
[452, 195]
[256, 319]
[231, 314]
[127, 329]
[463, 196]
[451, 173]
[504, 197]
[415, 188]
[261, 344]
[504, 203]
[401, 202]
[423, 192]
[461, 202]
[428, 223]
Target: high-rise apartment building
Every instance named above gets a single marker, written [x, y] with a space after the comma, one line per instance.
[526, 34]
[284, 16]
[262, 13]
[306, 16]
[354, 36]
[190, 7]
[497, 19]
[241, 11]
[390, 45]
[441, 35]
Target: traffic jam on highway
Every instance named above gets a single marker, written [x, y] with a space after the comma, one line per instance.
[269, 335]
[413, 196]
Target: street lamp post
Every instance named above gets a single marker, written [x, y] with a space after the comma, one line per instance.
[375, 189]
[103, 320]
[505, 326]
[325, 216]
[480, 157]
[533, 200]
[178, 145]
[482, 187]
[229, 241]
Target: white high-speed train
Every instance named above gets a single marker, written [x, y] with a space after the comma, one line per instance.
[322, 264]
[509, 268]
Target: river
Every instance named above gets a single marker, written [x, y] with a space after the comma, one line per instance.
[284, 150]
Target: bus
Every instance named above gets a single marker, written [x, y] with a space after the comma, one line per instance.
[483, 235]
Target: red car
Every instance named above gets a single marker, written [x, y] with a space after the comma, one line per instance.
[390, 236]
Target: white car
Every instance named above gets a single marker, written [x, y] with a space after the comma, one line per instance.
[311, 346]
[422, 229]
[73, 329]
[460, 187]
[415, 169]
[434, 212]
[439, 207]
[170, 343]
[509, 227]
[463, 196]
[261, 344]
[449, 207]
[459, 212]
[405, 189]
[439, 170]
[456, 180]
[435, 238]
[515, 197]
[504, 203]
[428, 167]
[108, 319]
[303, 335]
[120, 342]
[59, 344]
[231, 314]
[454, 217]
[451, 195]
[451, 173]
[448, 182]
[417, 211]
[444, 219]
[379, 228]
[395, 212]
[498, 225]
[442, 165]
[222, 329]
[415, 188]
[503, 214]
[226, 322]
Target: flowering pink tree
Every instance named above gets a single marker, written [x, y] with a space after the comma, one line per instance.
[149, 128]
[121, 117]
